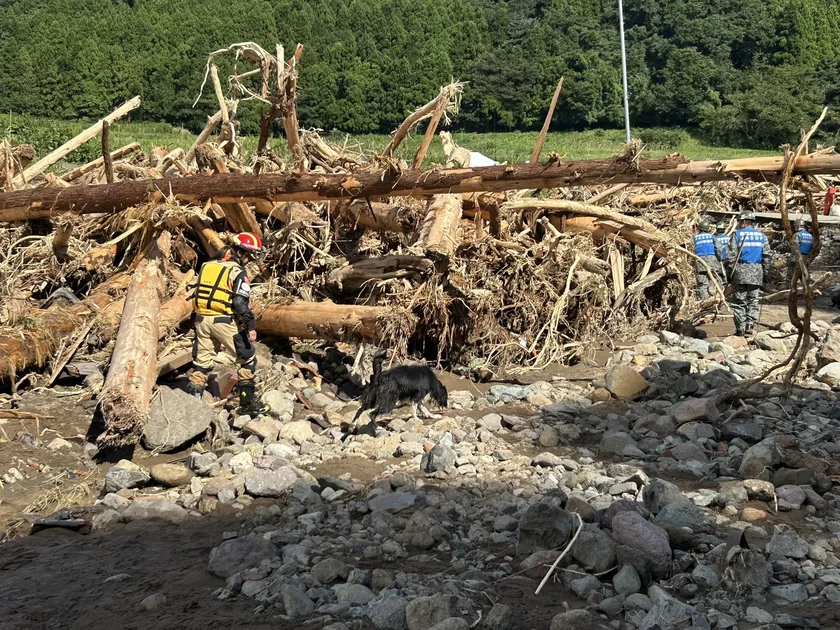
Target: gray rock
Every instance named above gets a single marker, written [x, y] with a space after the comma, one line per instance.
[594, 549]
[705, 576]
[696, 410]
[105, 518]
[790, 592]
[492, 422]
[388, 614]
[659, 493]
[281, 404]
[381, 579]
[265, 428]
[670, 338]
[733, 493]
[115, 502]
[748, 569]
[759, 490]
[582, 587]
[424, 612]
[452, 623]
[638, 601]
[758, 458]
[353, 594]
[270, 483]
[118, 478]
[757, 615]
[797, 623]
[297, 432]
[684, 386]
[547, 460]
[175, 418]
[615, 443]
[631, 530]
[790, 497]
[393, 502]
[441, 458]
[623, 381]
[689, 451]
[627, 581]
[153, 602]
[548, 437]
[544, 525]
[792, 477]
[238, 554]
[155, 508]
[577, 505]
[693, 431]
[668, 612]
[700, 346]
[682, 514]
[748, 431]
[507, 393]
[829, 374]
[296, 602]
[787, 543]
[330, 570]
[199, 461]
[500, 617]
[171, 475]
[623, 505]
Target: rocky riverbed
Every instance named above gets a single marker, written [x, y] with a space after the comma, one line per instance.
[686, 511]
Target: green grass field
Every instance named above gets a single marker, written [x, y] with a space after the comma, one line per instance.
[45, 135]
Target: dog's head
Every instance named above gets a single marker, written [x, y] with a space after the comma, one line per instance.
[440, 395]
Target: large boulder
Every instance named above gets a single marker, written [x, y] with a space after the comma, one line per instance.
[544, 525]
[238, 554]
[829, 349]
[594, 549]
[623, 505]
[623, 381]
[269, 483]
[787, 543]
[758, 459]
[175, 418]
[631, 530]
[659, 493]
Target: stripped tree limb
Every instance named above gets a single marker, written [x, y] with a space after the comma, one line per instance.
[451, 94]
[535, 154]
[86, 168]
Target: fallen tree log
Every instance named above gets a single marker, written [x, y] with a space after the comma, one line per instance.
[127, 392]
[33, 203]
[351, 278]
[326, 320]
[94, 164]
[602, 229]
[74, 143]
[239, 215]
[574, 207]
[438, 233]
[210, 240]
[34, 344]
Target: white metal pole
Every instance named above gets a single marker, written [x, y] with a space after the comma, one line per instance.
[624, 70]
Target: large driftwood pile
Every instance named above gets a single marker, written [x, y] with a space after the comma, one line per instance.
[467, 265]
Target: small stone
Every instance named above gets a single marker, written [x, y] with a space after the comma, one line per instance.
[353, 594]
[548, 437]
[753, 515]
[696, 410]
[120, 478]
[269, 483]
[266, 428]
[152, 602]
[790, 592]
[155, 508]
[298, 432]
[623, 381]
[115, 502]
[393, 502]
[631, 530]
[659, 493]
[682, 513]
[787, 543]
[171, 475]
[424, 612]
[757, 615]
[594, 549]
[758, 459]
[296, 602]
[500, 617]
[627, 581]
[689, 451]
[547, 460]
[705, 576]
[575, 620]
[796, 623]
[59, 443]
[577, 505]
[389, 614]
[492, 422]
[582, 587]
[790, 497]
[615, 443]
[238, 554]
[759, 490]
[543, 526]
[330, 570]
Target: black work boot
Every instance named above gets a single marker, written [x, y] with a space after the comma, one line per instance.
[248, 404]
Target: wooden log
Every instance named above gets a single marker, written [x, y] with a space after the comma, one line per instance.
[535, 154]
[33, 346]
[33, 203]
[130, 171]
[86, 168]
[106, 152]
[574, 207]
[439, 231]
[99, 257]
[212, 122]
[440, 108]
[127, 392]
[290, 121]
[74, 143]
[326, 320]
[382, 217]
[602, 229]
[289, 212]
[210, 240]
[239, 215]
[447, 92]
[351, 278]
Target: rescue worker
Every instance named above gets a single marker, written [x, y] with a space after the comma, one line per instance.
[224, 320]
[704, 248]
[721, 242]
[804, 241]
[748, 264]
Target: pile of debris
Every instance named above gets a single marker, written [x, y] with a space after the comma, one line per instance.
[470, 267]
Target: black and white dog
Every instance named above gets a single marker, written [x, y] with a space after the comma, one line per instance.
[404, 382]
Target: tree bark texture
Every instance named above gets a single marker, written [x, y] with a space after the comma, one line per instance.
[325, 320]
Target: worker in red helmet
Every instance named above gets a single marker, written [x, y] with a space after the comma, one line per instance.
[224, 320]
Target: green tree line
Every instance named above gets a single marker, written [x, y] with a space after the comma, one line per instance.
[745, 73]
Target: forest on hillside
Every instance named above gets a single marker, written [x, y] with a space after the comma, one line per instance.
[746, 73]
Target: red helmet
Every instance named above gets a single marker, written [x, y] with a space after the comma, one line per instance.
[248, 241]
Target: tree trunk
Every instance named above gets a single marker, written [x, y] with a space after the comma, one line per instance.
[439, 232]
[239, 215]
[74, 143]
[602, 229]
[351, 278]
[33, 203]
[326, 320]
[33, 345]
[127, 391]
[210, 240]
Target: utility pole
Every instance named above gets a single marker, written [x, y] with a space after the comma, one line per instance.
[624, 70]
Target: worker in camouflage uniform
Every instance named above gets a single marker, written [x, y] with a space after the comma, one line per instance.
[747, 265]
[721, 243]
[224, 320]
[704, 248]
[804, 242]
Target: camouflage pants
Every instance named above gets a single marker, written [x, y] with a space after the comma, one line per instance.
[745, 306]
[790, 267]
[705, 286]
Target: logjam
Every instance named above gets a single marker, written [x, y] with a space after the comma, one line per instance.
[351, 278]
[127, 392]
[33, 203]
[379, 216]
[94, 164]
[34, 344]
[326, 320]
[439, 232]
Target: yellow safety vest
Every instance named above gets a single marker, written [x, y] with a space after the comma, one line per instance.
[214, 294]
